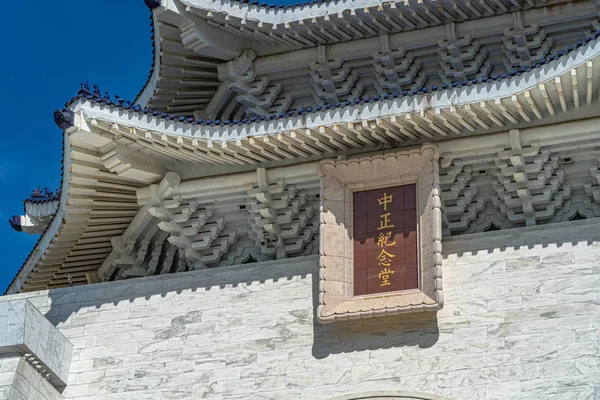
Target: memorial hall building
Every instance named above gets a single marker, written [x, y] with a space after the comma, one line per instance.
[331, 200]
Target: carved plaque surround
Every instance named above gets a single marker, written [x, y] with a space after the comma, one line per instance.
[340, 179]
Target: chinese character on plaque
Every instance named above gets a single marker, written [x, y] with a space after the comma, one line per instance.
[385, 240]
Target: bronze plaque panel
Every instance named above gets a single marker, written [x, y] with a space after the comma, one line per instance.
[385, 240]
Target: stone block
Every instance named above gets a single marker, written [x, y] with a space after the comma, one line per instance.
[26, 331]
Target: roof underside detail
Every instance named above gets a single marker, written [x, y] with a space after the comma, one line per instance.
[284, 59]
[218, 103]
[114, 151]
[544, 95]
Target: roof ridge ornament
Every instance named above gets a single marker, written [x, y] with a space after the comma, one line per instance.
[152, 4]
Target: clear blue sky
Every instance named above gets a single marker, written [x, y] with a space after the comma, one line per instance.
[49, 47]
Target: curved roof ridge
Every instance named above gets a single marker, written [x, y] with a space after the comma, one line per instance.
[346, 5]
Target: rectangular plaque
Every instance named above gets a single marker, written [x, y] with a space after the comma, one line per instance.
[385, 240]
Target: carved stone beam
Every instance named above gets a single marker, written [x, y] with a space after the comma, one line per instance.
[157, 193]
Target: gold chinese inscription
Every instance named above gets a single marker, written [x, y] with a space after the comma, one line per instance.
[384, 258]
[384, 275]
[385, 250]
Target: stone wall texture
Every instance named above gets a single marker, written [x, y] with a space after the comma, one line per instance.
[521, 321]
[20, 381]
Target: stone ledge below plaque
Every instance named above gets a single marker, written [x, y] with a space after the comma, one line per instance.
[340, 180]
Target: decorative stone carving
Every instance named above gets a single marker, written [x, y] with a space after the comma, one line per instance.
[530, 186]
[460, 202]
[339, 180]
[280, 217]
[333, 79]
[524, 43]
[460, 57]
[396, 69]
[256, 94]
[521, 181]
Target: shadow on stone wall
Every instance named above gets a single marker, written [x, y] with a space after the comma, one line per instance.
[561, 235]
[68, 301]
[404, 330]
[420, 329]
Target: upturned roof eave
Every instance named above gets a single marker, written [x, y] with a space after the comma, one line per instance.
[568, 67]
[312, 10]
[369, 108]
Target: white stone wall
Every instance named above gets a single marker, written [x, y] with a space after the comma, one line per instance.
[20, 381]
[8, 370]
[521, 321]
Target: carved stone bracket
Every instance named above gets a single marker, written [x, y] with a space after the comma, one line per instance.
[396, 69]
[524, 44]
[280, 217]
[256, 94]
[461, 57]
[530, 186]
[460, 202]
[340, 178]
[333, 79]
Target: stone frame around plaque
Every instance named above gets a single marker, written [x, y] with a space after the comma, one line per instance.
[339, 180]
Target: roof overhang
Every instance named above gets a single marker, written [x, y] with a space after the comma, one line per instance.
[111, 151]
[561, 90]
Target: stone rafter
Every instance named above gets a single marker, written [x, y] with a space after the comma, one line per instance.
[333, 79]
[530, 186]
[461, 203]
[396, 69]
[460, 57]
[283, 220]
[524, 44]
[256, 94]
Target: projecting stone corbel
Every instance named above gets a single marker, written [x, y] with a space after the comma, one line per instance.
[239, 79]
[460, 57]
[333, 79]
[122, 161]
[196, 34]
[524, 43]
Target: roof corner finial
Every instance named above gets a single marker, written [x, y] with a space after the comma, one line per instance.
[15, 223]
[152, 4]
[64, 118]
[84, 89]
